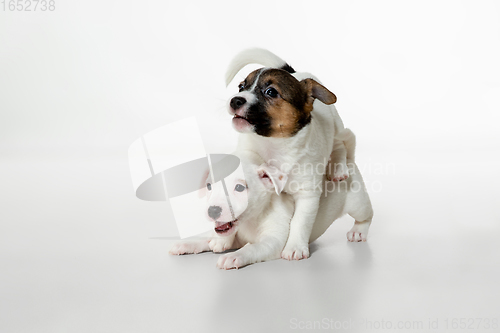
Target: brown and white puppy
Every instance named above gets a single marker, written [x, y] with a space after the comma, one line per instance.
[288, 118]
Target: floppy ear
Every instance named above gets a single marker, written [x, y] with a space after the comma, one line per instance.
[315, 90]
[271, 177]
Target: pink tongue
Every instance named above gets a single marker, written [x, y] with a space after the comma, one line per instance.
[240, 123]
[223, 226]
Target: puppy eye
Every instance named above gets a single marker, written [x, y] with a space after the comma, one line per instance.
[209, 186]
[241, 87]
[271, 92]
[239, 188]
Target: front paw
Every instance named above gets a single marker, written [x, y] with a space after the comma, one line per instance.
[220, 244]
[232, 260]
[187, 247]
[295, 252]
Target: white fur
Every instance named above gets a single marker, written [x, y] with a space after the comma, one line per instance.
[312, 145]
[343, 150]
[263, 228]
[263, 231]
[346, 197]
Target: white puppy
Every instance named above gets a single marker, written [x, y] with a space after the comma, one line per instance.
[288, 118]
[256, 221]
[261, 230]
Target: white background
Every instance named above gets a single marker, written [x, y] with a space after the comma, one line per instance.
[418, 82]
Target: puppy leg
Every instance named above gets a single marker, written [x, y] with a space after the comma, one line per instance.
[268, 248]
[220, 244]
[358, 206]
[306, 208]
[194, 244]
[190, 246]
[336, 169]
[343, 151]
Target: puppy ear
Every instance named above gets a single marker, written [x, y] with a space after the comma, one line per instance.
[271, 177]
[315, 90]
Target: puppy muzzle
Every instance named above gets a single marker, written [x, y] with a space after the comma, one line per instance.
[225, 228]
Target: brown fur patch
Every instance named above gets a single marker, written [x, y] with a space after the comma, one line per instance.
[287, 110]
[287, 113]
[283, 119]
[250, 79]
[315, 90]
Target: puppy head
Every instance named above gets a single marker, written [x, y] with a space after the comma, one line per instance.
[248, 194]
[226, 200]
[273, 103]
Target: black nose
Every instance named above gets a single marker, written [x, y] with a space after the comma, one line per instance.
[237, 102]
[214, 212]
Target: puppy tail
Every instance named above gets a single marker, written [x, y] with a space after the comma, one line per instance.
[349, 139]
[255, 56]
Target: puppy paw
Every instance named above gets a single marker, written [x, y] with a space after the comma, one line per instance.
[339, 178]
[218, 245]
[340, 172]
[359, 232]
[187, 247]
[295, 252]
[231, 260]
